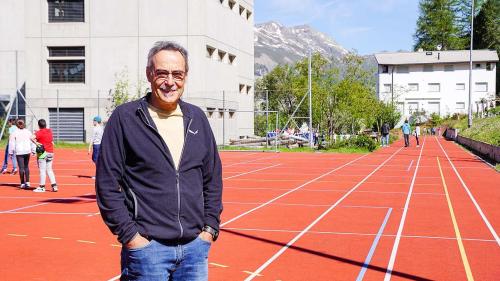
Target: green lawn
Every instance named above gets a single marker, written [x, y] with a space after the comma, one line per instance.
[486, 129]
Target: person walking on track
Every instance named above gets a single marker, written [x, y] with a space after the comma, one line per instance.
[385, 134]
[43, 139]
[417, 134]
[95, 143]
[12, 128]
[20, 143]
[406, 132]
[159, 177]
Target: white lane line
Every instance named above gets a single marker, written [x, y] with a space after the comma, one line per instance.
[368, 259]
[50, 198]
[218, 265]
[290, 191]
[357, 234]
[284, 248]
[249, 172]
[17, 235]
[22, 208]
[51, 238]
[249, 161]
[85, 241]
[409, 167]
[394, 251]
[49, 213]
[486, 221]
[115, 278]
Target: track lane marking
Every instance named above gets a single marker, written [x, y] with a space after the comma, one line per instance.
[291, 242]
[218, 265]
[290, 191]
[394, 251]
[461, 247]
[478, 208]
[409, 167]
[17, 235]
[22, 208]
[51, 238]
[373, 247]
[249, 172]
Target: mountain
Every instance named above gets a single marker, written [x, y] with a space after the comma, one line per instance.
[277, 44]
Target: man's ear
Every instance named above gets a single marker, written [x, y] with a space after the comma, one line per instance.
[149, 74]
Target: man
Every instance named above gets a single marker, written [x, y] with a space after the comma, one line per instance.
[44, 138]
[12, 128]
[385, 134]
[159, 177]
[406, 133]
[417, 134]
[95, 143]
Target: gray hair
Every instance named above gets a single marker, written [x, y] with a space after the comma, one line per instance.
[169, 46]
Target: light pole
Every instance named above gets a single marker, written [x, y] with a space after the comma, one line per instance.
[469, 123]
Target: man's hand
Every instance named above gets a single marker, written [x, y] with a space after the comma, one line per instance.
[137, 242]
[206, 236]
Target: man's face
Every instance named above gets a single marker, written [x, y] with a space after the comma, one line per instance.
[167, 76]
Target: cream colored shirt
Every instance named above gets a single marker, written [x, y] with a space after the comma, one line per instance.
[170, 125]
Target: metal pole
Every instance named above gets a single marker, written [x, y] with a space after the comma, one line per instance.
[392, 86]
[267, 115]
[17, 83]
[57, 117]
[469, 124]
[223, 119]
[277, 133]
[310, 101]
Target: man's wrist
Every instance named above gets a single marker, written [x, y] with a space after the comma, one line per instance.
[212, 231]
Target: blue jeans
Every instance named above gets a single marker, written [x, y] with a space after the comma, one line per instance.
[161, 261]
[95, 152]
[6, 159]
[385, 139]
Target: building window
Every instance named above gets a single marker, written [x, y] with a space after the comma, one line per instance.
[66, 64]
[249, 89]
[221, 112]
[210, 51]
[489, 66]
[449, 67]
[387, 88]
[222, 2]
[434, 87]
[481, 87]
[460, 105]
[385, 69]
[478, 65]
[249, 14]
[428, 68]
[242, 10]
[232, 113]
[66, 10]
[210, 112]
[231, 58]
[242, 88]
[413, 87]
[221, 55]
[460, 86]
[231, 3]
[403, 69]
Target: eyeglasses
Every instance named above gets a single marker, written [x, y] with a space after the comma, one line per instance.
[163, 75]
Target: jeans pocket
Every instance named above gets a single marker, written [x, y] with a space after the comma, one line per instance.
[143, 247]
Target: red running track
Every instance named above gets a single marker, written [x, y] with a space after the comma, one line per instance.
[426, 213]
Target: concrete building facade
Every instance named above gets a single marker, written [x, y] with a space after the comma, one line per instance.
[437, 81]
[76, 51]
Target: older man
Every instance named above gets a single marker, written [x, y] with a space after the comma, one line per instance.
[159, 177]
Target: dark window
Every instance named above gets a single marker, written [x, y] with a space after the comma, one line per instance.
[385, 69]
[66, 10]
[489, 66]
[66, 51]
[67, 71]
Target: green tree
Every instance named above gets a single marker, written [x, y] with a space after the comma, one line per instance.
[122, 91]
[439, 24]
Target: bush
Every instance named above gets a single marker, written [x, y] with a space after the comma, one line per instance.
[363, 141]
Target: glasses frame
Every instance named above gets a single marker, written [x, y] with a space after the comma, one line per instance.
[169, 75]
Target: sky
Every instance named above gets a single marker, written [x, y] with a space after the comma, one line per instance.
[367, 26]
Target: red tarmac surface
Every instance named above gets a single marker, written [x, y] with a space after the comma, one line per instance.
[287, 216]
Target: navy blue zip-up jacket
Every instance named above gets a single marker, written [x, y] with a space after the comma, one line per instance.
[138, 188]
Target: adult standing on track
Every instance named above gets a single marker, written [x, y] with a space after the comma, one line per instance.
[159, 177]
[45, 138]
[417, 134]
[95, 143]
[406, 133]
[385, 134]
[20, 143]
[12, 128]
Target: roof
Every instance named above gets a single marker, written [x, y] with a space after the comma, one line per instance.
[433, 57]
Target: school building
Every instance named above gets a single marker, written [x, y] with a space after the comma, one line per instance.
[437, 81]
[66, 57]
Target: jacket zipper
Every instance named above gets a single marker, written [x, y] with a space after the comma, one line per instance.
[177, 180]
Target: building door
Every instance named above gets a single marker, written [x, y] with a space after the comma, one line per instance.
[433, 107]
[69, 126]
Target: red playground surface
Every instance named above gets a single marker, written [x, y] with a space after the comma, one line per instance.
[418, 213]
